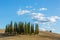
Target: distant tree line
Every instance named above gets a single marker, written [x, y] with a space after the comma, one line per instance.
[22, 28]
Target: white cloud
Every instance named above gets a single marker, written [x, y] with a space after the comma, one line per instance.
[42, 9]
[37, 15]
[21, 12]
[53, 18]
[41, 18]
[36, 22]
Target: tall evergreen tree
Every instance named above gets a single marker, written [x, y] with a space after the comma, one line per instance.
[21, 27]
[6, 29]
[36, 29]
[18, 28]
[10, 28]
[25, 28]
[32, 28]
[28, 27]
[15, 27]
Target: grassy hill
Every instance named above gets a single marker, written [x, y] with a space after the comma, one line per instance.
[41, 36]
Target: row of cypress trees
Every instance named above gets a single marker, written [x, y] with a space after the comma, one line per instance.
[22, 28]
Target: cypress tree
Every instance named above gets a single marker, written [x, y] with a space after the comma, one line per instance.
[28, 27]
[10, 28]
[15, 27]
[36, 29]
[21, 27]
[6, 29]
[25, 28]
[32, 28]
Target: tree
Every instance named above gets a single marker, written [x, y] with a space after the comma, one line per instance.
[25, 28]
[36, 29]
[32, 28]
[21, 27]
[15, 27]
[18, 28]
[6, 29]
[28, 25]
[10, 28]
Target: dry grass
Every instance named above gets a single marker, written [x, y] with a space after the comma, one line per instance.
[41, 36]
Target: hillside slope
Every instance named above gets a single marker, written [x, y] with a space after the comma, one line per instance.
[41, 36]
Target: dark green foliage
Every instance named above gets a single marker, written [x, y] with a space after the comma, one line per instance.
[19, 28]
[50, 31]
[6, 29]
[22, 28]
[25, 28]
[36, 29]
[10, 27]
[32, 28]
[15, 27]
[28, 27]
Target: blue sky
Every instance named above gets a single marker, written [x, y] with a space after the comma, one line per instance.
[44, 12]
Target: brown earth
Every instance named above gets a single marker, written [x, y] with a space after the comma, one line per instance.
[41, 36]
